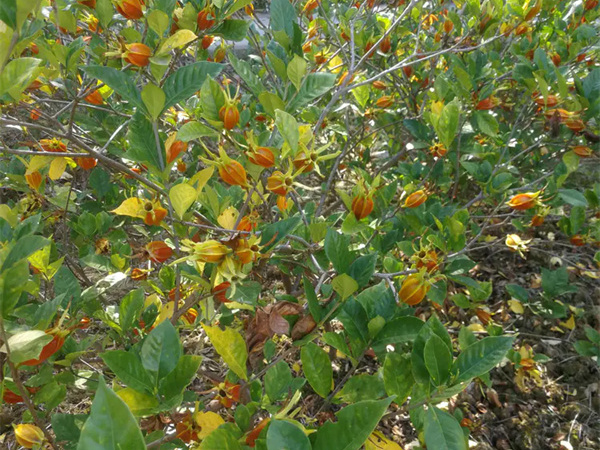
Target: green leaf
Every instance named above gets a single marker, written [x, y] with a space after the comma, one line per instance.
[179, 39]
[154, 99]
[271, 102]
[142, 142]
[139, 404]
[245, 72]
[24, 248]
[277, 380]
[122, 83]
[361, 387]
[344, 285]
[487, 123]
[158, 21]
[194, 130]
[104, 11]
[362, 269]
[130, 309]
[288, 127]
[283, 16]
[111, 425]
[182, 196]
[573, 197]
[442, 431]
[397, 376]
[337, 250]
[447, 125]
[399, 330]
[67, 427]
[161, 350]
[8, 13]
[480, 357]
[11, 286]
[220, 439]
[231, 346]
[172, 386]
[187, 80]
[285, 435]
[311, 297]
[26, 345]
[18, 75]
[232, 29]
[438, 359]
[317, 368]
[212, 99]
[315, 85]
[128, 367]
[275, 232]
[354, 425]
[296, 70]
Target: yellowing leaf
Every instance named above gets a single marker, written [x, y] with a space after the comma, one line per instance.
[179, 39]
[182, 197]
[138, 403]
[57, 168]
[166, 312]
[516, 306]
[36, 163]
[569, 324]
[7, 214]
[207, 422]
[231, 346]
[132, 207]
[336, 64]
[228, 218]
[202, 178]
[377, 441]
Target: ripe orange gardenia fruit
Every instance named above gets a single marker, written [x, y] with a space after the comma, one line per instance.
[522, 202]
[154, 213]
[415, 199]
[385, 45]
[29, 435]
[137, 54]
[362, 205]
[577, 240]
[487, 103]
[86, 163]
[229, 112]
[95, 98]
[206, 19]
[414, 289]
[207, 40]
[280, 183]
[53, 145]
[261, 156]
[58, 340]
[583, 151]
[427, 259]
[550, 101]
[537, 220]
[385, 101]
[377, 84]
[175, 149]
[219, 292]
[130, 9]
[159, 251]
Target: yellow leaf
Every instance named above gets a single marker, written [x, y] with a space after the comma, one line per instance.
[36, 163]
[569, 324]
[336, 64]
[202, 178]
[132, 207]
[228, 218]
[436, 108]
[231, 346]
[182, 197]
[476, 327]
[207, 422]
[377, 441]
[516, 306]
[57, 168]
[166, 312]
